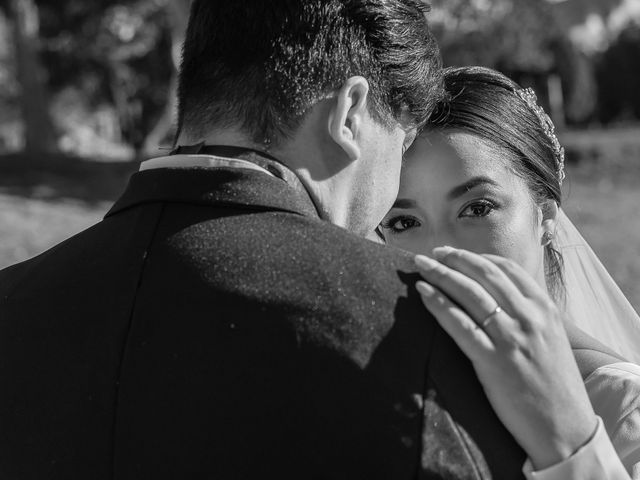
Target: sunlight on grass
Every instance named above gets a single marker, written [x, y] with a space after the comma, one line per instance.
[30, 226]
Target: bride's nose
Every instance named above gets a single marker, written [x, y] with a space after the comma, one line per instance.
[440, 238]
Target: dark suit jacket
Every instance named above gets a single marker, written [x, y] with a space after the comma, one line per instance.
[213, 327]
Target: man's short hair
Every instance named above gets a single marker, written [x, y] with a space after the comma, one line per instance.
[261, 65]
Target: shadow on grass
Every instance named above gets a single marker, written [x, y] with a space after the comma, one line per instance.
[54, 177]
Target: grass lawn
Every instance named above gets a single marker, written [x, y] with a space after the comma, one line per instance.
[39, 208]
[29, 226]
[607, 216]
[602, 196]
[43, 204]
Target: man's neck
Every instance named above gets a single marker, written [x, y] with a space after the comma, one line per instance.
[306, 159]
[230, 137]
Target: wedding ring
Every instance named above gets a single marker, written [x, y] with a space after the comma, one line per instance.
[489, 318]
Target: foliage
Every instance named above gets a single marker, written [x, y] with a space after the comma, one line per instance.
[111, 64]
[618, 73]
[113, 52]
[512, 35]
[520, 38]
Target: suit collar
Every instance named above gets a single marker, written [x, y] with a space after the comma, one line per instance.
[219, 186]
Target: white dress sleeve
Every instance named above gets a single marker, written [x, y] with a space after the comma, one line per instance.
[596, 460]
[614, 391]
[613, 453]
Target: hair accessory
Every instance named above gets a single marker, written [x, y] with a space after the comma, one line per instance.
[546, 238]
[530, 98]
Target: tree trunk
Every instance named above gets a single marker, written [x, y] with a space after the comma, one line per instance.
[39, 132]
[556, 100]
[178, 11]
[153, 143]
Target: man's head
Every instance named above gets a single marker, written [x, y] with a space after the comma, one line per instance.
[345, 78]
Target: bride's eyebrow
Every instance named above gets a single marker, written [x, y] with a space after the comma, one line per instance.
[404, 203]
[460, 190]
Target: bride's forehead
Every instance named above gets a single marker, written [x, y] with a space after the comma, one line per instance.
[461, 153]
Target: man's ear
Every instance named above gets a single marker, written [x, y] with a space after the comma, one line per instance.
[348, 114]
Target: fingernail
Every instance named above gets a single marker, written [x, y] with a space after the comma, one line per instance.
[425, 263]
[424, 289]
[441, 252]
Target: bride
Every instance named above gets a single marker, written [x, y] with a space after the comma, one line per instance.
[486, 177]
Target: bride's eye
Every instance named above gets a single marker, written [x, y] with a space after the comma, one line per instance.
[477, 209]
[399, 224]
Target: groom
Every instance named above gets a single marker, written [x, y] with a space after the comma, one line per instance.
[222, 321]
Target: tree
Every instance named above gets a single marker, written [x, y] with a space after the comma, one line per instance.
[178, 13]
[115, 52]
[619, 77]
[511, 35]
[39, 131]
[521, 39]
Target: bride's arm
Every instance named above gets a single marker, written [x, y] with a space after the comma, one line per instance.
[524, 361]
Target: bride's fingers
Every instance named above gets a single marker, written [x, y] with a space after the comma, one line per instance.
[493, 279]
[471, 339]
[466, 292]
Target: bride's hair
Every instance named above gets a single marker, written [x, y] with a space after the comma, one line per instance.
[486, 103]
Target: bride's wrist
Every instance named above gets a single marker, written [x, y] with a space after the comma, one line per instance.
[565, 443]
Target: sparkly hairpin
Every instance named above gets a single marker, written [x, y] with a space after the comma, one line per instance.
[529, 96]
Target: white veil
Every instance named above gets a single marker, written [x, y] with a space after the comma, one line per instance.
[594, 302]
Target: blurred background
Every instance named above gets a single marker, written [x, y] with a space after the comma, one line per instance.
[87, 91]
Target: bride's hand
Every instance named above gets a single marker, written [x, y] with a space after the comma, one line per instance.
[520, 350]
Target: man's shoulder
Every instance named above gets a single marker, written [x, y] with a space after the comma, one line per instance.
[11, 275]
[281, 262]
[288, 234]
[324, 237]
[296, 246]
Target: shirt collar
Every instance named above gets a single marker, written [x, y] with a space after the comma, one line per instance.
[201, 161]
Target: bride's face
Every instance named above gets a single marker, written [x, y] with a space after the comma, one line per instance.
[459, 190]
